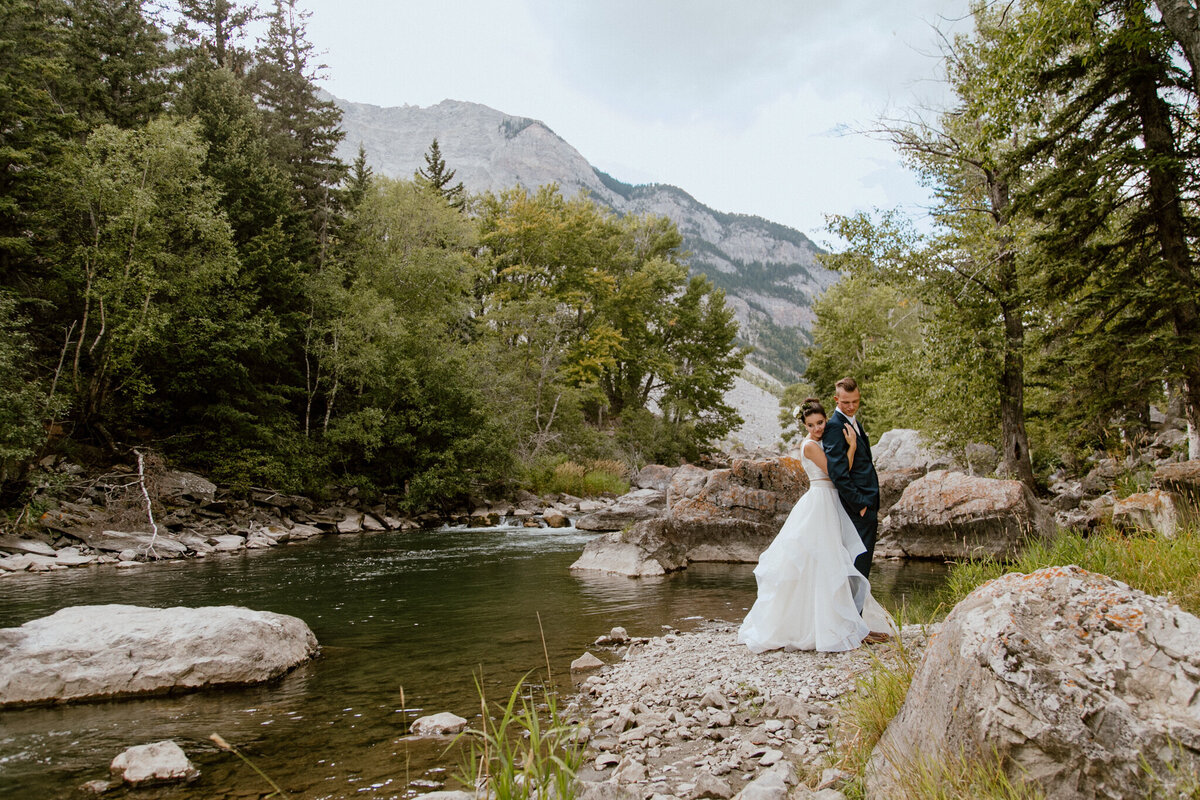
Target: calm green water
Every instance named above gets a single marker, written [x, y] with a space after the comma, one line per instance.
[423, 613]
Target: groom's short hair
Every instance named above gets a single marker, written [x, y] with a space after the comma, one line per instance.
[846, 384]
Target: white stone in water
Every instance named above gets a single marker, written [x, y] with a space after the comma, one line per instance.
[443, 724]
[156, 762]
[586, 663]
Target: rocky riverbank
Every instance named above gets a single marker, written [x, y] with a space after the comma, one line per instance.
[694, 715]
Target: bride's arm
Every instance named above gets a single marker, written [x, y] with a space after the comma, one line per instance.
[816, 454]
[851, 442]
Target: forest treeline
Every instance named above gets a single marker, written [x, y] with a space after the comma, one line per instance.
[186, 266]
[1056, 294]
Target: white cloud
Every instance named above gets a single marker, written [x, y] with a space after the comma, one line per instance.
[740, 104]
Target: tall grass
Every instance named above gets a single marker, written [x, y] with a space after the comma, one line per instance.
[1150, 562]
[523, 752]
[581, 480]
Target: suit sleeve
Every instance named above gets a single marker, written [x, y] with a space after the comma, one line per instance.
[837, 452]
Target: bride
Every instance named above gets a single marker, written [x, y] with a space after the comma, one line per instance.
[810, 596]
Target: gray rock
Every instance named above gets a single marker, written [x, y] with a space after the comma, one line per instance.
[158, 762]
[443, 724]
[907, 449]
[71, 557]
[768, 786]
[87, 652]
[228, 542]
[140, 542]
[952, 515]
[1075, 680]
[188, 487]
[982, 459]
[1148, 511]
[654, 476]
[586, 663]
[709, 785]
[629, 508]
[35, 547]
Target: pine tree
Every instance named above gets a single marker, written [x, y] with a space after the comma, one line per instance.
[302, 129]
[212, 31]
[118, 62]
[436, 177]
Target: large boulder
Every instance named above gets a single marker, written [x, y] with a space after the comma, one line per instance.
[187, 487]
[635, 506]
[644, 550]
[726, 515]
[654, 476]
[906, 449]
[1180, 477]
[88, 652]
[1149, 511]
[1075, 680]
[951, 515]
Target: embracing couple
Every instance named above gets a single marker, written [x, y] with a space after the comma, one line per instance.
[813, 592]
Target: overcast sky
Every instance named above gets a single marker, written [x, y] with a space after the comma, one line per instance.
[750, 106]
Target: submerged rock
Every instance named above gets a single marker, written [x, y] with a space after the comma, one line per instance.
[88, 652]
[159, 762]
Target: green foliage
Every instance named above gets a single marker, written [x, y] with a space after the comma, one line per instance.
[877, 697]
[522, 753]
[602, 476]
[436, 177]
[23, 401]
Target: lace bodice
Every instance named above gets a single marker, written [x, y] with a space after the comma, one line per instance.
[815, 473]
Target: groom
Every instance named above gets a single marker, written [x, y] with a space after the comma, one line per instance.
[857, 485]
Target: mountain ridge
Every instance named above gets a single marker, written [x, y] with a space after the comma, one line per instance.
[768, 270]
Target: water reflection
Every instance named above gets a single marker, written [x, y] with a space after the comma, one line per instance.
[418, 616]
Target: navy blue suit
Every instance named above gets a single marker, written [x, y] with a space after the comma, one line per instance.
[857, 486]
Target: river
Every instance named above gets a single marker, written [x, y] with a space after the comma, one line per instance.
[408, 623]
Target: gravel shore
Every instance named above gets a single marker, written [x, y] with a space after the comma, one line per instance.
[696, 714]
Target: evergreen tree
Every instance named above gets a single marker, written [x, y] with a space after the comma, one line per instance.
[34, 127]
[436, 177]
[118, 61]
[212, 31]
[302, 129]
[358, 182]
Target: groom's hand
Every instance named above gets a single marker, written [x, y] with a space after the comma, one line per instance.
[863, 513]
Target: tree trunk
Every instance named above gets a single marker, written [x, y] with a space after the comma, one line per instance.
[1014, 440]
[1171, 234]
[1183, 21]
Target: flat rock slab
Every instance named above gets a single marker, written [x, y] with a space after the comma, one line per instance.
[117, 541]
[92, 652]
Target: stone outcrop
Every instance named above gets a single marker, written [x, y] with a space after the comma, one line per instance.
[91, 652]
[1182, 477]
[158, 762]
[720, 515]
[951, 515]
[632, 507]
[1074, 679]
[906, 449]
[1147, 511]
[654, 476]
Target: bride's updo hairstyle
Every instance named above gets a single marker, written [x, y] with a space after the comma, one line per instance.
[810, 406]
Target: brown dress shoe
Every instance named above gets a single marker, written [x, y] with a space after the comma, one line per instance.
[876, 637]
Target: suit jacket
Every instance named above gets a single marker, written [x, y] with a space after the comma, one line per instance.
[857, 486]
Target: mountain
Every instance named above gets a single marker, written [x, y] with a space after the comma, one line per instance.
[768, 271]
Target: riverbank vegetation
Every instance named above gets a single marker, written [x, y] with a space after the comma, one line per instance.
[1052, 292]
[187, 266]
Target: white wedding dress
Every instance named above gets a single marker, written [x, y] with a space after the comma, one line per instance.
[808, 589]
